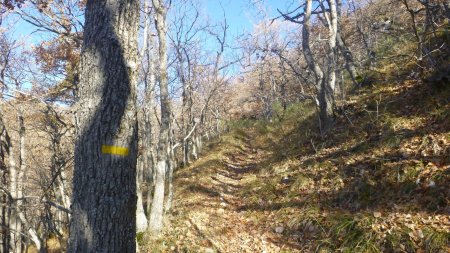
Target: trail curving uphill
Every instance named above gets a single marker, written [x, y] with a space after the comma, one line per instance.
[211, 206]
[255, 190]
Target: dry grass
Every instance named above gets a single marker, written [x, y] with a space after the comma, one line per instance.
[366, 187]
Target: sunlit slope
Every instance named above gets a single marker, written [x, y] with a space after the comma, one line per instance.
[378, 182]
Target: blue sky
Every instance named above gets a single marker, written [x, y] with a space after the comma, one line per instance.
[241, 15]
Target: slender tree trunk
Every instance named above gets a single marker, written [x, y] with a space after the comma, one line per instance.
[38, 242]
[346, 53]
[14, 221]
[20, 177]
[64, 193]
[157, 211]
[141, 219]
[198, 144]
[324, 91]
[186, 113]
[417, 34]
[104, 184]
[172, 166]
[327, 119]
[148, 131]
[59, 185]
[194, 145]
[348, 57]
[144, 161]
[19, 216]
[4, 197]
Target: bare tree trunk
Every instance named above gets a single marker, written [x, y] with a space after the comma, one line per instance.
[18, 220]
[145, 159]
[195, 145]
[156, 215]
[20, 177]
[38, 242]
[58, 164]
[186, 114]
[14, 221]
[141, 219]
[323, 87]
[172, 165]
[148, 129]
[348, 57]
[198, 144]
[157, 211]
[346, 53]
[104, 192]
[62, 186]
[4, 196]
[327, 119]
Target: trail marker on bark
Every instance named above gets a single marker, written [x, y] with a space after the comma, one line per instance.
[115, 150]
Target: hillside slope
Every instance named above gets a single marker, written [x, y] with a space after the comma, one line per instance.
[378, 182]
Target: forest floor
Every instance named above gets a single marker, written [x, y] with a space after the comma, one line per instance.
[377, 182]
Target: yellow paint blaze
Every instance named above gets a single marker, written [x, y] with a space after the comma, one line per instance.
[115, 150]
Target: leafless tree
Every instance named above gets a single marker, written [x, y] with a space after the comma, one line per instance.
[162, 165]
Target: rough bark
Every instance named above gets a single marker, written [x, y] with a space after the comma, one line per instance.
[157, 211]
[104, 192]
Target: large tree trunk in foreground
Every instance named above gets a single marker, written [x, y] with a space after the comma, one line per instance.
[104, 192]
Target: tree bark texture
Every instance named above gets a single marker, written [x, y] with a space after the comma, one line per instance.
[104, 184]
[156, 214]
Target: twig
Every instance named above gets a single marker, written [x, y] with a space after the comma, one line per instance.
[314, 147]
[346, 116]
